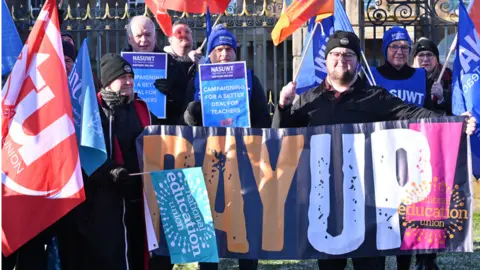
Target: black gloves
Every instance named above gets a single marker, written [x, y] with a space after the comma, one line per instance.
[193, 114]
[130, 187]
[119, 175]
[163, 85]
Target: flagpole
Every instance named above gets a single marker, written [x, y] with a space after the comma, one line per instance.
[305, 52]
[452, 49]
[205, 40]
[369, 71]
[366, 75]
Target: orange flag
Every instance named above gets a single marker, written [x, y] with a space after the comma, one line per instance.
[299, 12]
[161, 15]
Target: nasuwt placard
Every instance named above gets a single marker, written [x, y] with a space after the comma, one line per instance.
[224, 95]
[147, 68]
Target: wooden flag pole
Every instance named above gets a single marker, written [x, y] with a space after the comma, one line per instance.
[452, 49]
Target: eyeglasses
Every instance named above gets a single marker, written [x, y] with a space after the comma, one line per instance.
[395, 48]
[425, 55]
[346, 56]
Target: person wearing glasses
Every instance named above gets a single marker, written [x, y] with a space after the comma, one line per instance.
[426, 55]
[403, 81]
[343, 97]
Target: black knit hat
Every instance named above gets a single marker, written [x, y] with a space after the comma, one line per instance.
[424, 44]
[113, 66]
[69, 50]
[343, 39]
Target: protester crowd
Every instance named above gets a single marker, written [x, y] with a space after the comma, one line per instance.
[107, 231]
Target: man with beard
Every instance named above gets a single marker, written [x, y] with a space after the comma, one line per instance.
[343, 98]
[405, 82]
[181, 61]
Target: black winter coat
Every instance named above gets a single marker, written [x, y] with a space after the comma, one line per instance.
[360, 104]
[96, 237]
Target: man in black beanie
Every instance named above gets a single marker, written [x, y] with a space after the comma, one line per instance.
[342, 98]
[69, 55]
[110, 228]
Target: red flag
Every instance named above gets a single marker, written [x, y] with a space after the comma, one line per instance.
[41, 174]
[161, 15]
[475, 14]
[299, 12]
[195, 6]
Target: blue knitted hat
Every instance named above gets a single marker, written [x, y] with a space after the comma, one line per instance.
[220, 36]
[393, 34]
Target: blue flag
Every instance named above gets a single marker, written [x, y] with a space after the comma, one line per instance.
[466, 83]
[208, 31]
[186, 215]
[11, 42]
[313, 70]
[88, 125]
[341, 19]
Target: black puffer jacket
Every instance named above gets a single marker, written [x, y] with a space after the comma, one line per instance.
[360, 104]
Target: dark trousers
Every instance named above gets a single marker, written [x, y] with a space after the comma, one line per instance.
[371, 263]
[8, 263]
[32, 255]
[403, 262]
[423, 262]
[244, 264]
[160, 263]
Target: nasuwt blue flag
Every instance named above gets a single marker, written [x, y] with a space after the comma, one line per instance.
[86, 115]
[11, 42]
[466, 83]
[341, 19]
[186, 215]
[313, 70]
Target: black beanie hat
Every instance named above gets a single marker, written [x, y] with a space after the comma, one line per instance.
[113, 66]
[424, 44]
[343, 39]
[69, 50]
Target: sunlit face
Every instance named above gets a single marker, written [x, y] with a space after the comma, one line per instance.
[223, 54]
[143, 37]
[427, 60]
[342, 65]
[68, 64]
[397, 53]
[181, 39]
[123, 85]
